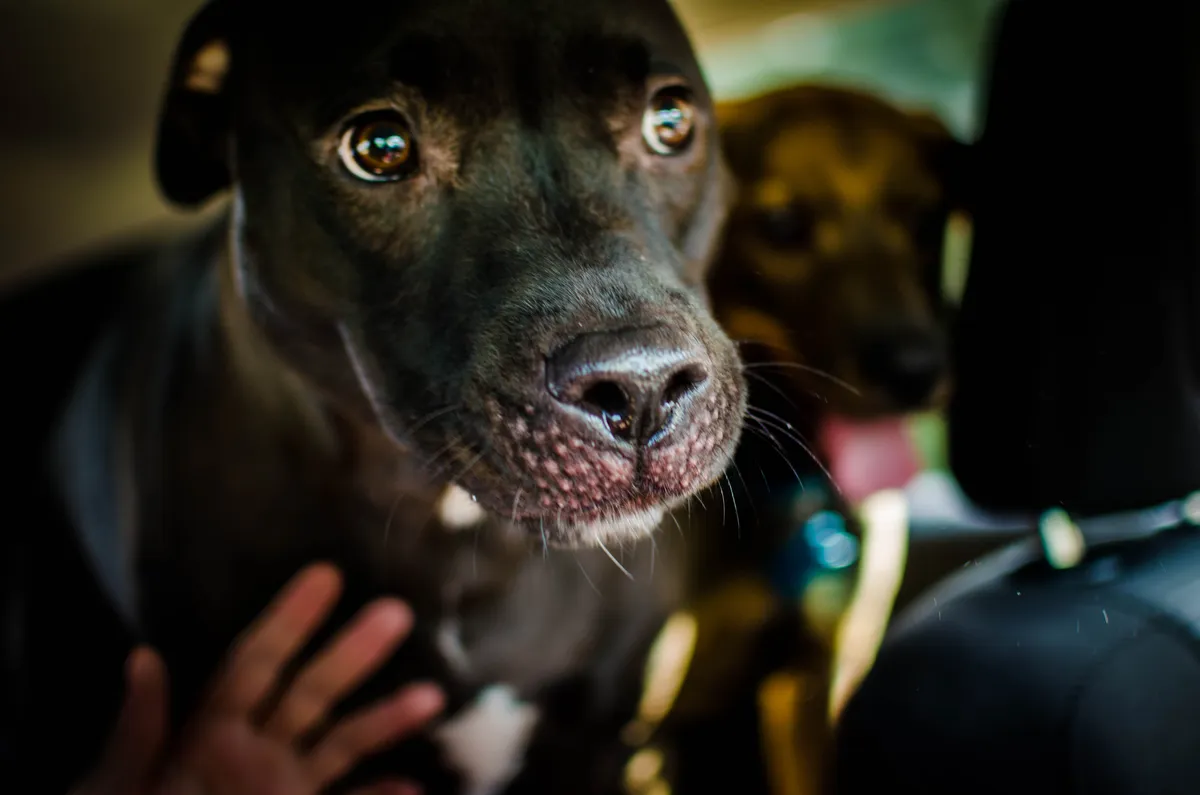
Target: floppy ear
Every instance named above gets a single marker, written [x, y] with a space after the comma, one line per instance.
[950, 158]
[192, 157]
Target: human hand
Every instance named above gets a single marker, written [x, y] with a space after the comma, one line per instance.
[229, 748]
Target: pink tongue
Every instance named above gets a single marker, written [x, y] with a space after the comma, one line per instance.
[866, 457]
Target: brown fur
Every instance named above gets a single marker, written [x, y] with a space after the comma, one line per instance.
[833, 251]
[836, 237]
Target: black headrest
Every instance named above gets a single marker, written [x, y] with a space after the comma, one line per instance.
[1076, 351]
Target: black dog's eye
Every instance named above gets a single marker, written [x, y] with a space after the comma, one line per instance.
[669, 122]
[378, 148]
[789, 227]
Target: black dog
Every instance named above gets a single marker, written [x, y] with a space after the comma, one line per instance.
[459, 287]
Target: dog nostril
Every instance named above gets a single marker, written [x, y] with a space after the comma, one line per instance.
[608, 401]
[682, 384]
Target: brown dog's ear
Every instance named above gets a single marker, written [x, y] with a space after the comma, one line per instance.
[192, 157]
[949, 157]
[950, 161]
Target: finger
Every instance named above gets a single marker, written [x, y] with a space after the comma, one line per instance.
[391, 788]
[373, 729]
[286, 625]
[138, 736]
[356, 652]
[233, 760]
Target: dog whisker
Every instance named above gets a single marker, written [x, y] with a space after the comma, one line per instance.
[456, 448]
[791, 434]
[611, 557]
[737, 516]
[767, 383]
[583, 571]
[779, 422]
[763, 473]
[783, 429]
[545, 543]
[675, 518]
[449, 447]
[516, 504]
[763, 431]
[753, 508]
[430, 417]
[653, 555]
[721, 491]
[806, 368]
[470, 464]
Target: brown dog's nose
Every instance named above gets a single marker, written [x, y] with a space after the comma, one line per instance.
[905, 362]
[635, 380]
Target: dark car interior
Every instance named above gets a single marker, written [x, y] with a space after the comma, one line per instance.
[1066, 661]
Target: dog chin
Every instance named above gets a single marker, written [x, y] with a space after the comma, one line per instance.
[458, 509]
[617, 528]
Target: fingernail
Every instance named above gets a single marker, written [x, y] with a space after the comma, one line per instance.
[138, 664]
[425, 697]
[393, 614]
[324, 574]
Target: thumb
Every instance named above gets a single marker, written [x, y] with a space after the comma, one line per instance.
[138, 737]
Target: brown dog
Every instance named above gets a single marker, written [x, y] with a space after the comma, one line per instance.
[832, 263]
[830, 278]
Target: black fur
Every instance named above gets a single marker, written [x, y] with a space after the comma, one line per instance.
[302, 379]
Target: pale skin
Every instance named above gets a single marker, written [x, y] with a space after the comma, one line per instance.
[230, 748]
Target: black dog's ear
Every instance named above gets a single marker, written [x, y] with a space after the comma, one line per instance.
[192, 157]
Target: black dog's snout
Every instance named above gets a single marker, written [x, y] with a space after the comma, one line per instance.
[906, 362]
[634, 380]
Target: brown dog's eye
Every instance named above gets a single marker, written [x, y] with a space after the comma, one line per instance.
[669, 123]
[378, 148]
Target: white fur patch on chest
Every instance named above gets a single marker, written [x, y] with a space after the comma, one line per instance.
[486, 742]
[458, 510]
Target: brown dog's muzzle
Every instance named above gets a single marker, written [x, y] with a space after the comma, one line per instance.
[906, 362]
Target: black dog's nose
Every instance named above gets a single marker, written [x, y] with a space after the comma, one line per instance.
[635, 380]
[905, 362]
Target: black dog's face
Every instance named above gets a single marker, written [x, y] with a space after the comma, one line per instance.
[501, 213]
